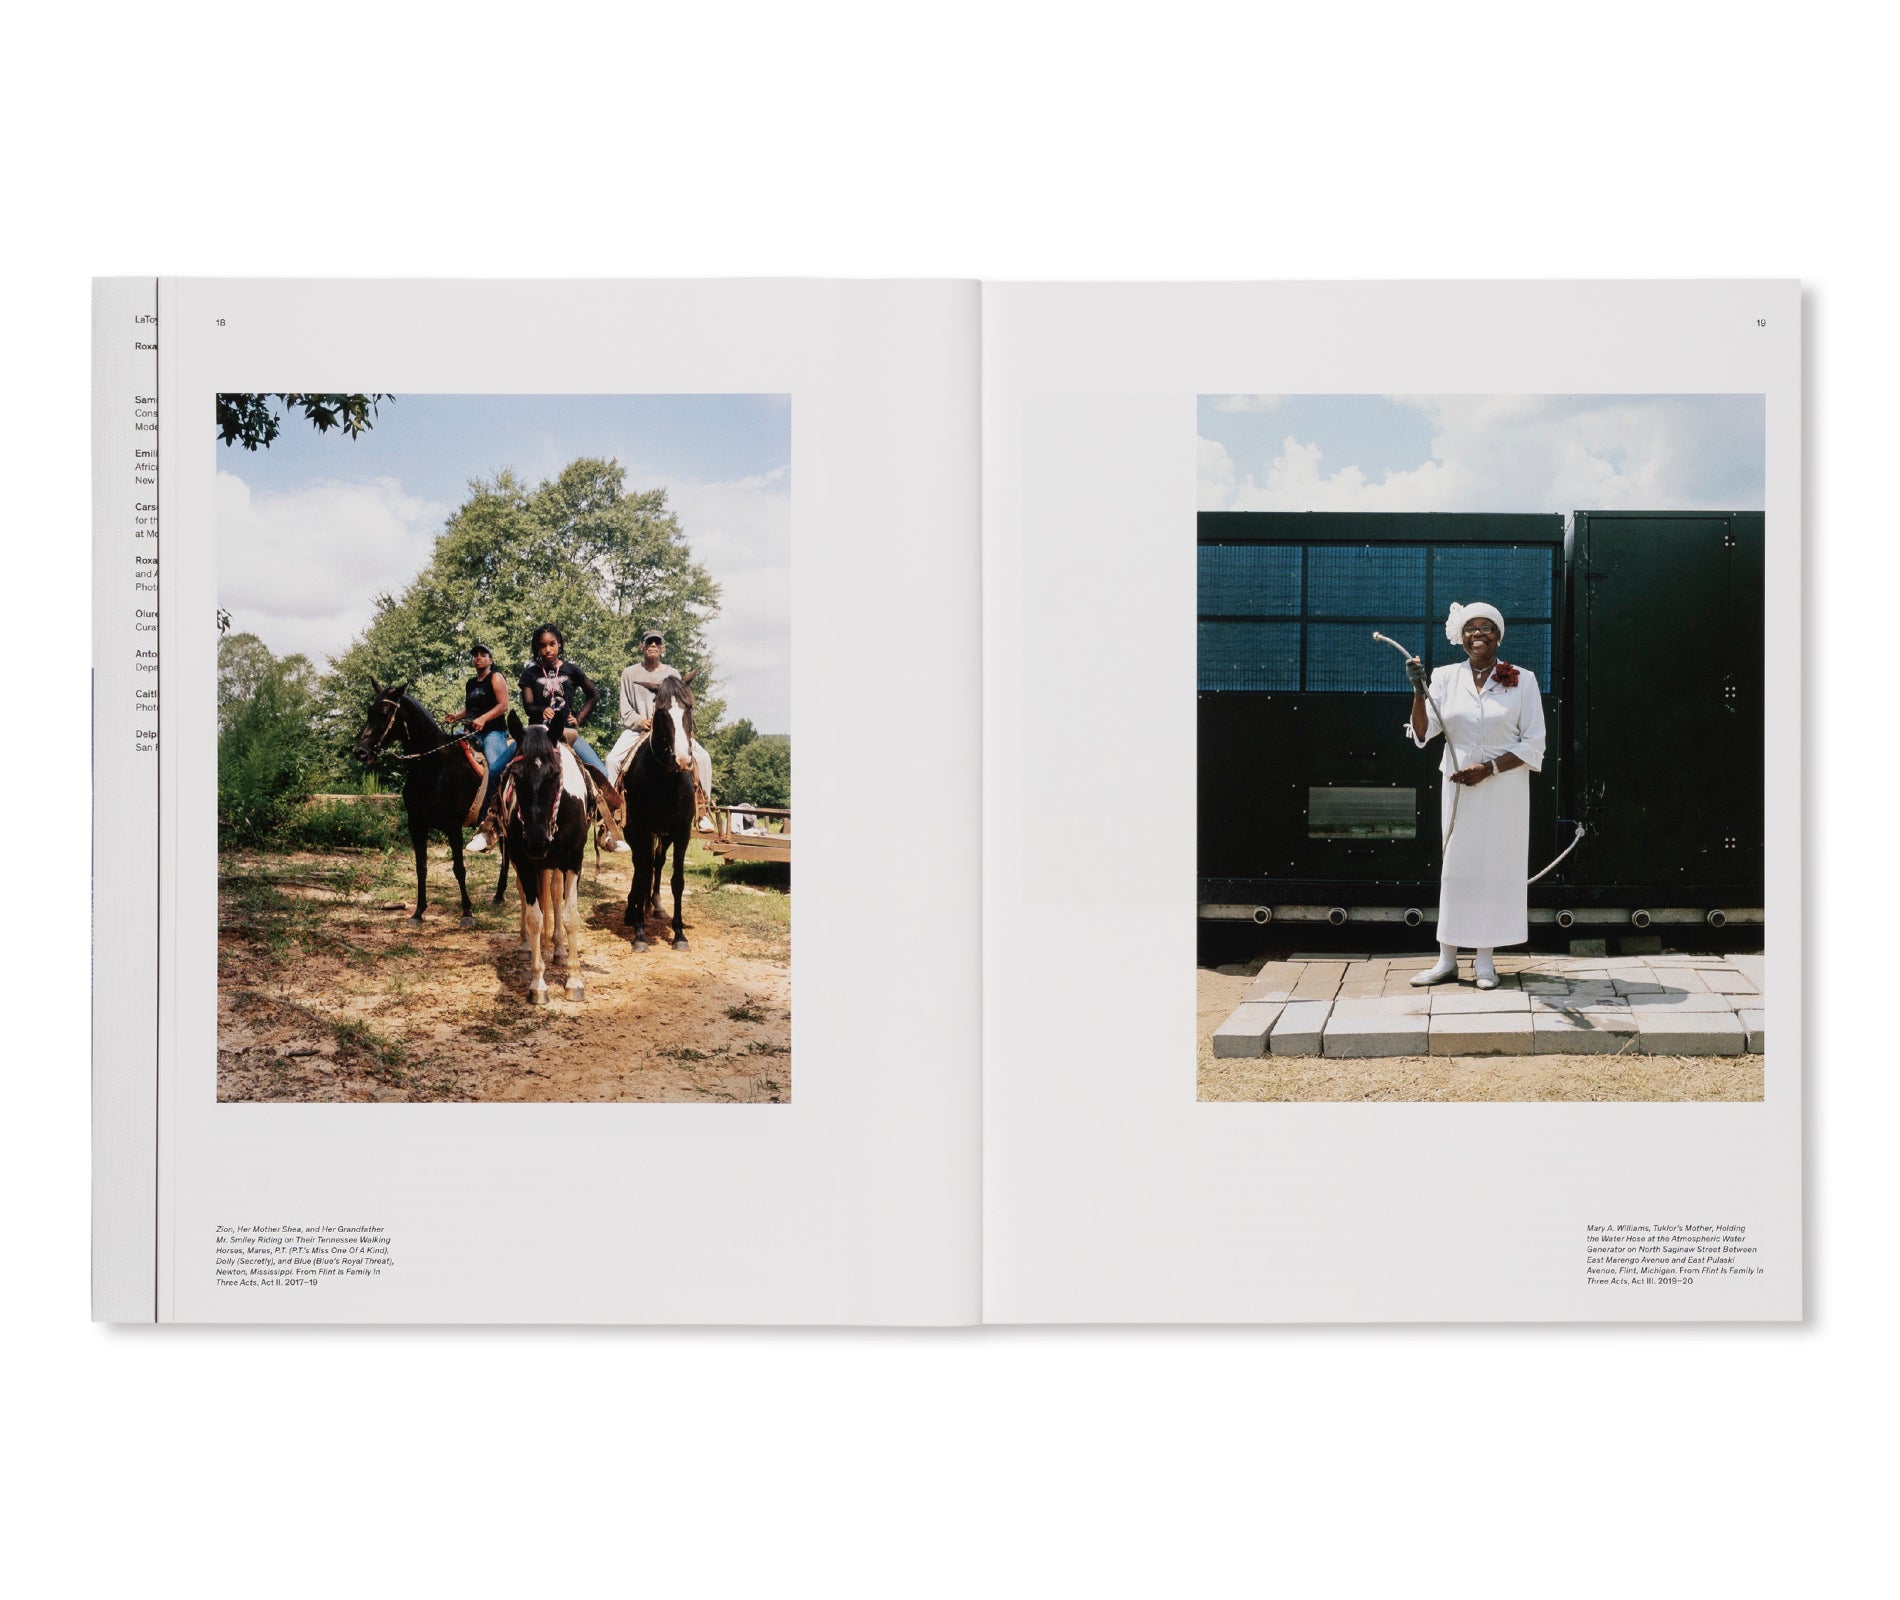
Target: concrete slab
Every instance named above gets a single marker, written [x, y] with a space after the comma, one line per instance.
[1320, 980]
[1361, 1034]
[1688, 1033]
[1728, 983]
[1753, 968]
[1682, 1000]
[1484, 1033]
[1551, 1004]
[1301, 1028]
[1417, 1003]
[1465, 1002]
[1276, 981]
[1638, 986]
[1755, 1026]
[1582, 1033]
[1245, 1031]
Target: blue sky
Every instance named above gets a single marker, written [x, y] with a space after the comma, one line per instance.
[1482, 452]
[313, 528]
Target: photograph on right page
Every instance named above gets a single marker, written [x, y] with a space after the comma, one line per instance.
[1480, 748]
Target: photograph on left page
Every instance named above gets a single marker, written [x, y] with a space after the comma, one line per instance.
[504, 747]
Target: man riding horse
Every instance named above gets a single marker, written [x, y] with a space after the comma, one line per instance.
[637, 685]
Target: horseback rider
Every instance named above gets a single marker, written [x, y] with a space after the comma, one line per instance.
[637, 684]
[551, 685]
[484, 712]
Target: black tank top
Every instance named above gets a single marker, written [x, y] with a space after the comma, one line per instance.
[478, 695]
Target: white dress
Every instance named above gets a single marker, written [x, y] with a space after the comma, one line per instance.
[1484, 828]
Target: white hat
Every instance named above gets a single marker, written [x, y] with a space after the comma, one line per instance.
[1459, 615]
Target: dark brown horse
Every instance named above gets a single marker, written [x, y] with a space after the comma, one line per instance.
[547, 818]
[658, 791]
[439, 783]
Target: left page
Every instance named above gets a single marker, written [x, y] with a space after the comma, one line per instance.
[543, 601]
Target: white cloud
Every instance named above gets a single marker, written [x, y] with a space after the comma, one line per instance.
[741, 532]
[1216, 475]
[302, 569]
[1523, 453]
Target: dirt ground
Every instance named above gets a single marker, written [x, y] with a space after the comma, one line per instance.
[1621, 1077]
[327, 992]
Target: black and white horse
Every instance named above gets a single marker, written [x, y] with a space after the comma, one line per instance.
[440, 784]
[658, 791]
[546, 814]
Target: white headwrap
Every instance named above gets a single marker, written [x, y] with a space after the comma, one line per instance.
[1460, 615]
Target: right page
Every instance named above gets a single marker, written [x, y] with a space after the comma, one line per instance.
[1391, 802]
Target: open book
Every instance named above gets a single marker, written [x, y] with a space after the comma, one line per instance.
[1170, 666]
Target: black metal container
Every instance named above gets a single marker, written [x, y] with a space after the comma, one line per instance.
[1667, 764]
[1311, 796]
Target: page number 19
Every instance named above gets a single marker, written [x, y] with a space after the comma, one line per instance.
[1761, 322]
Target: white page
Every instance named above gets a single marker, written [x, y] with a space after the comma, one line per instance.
[1110, 1193]
[854, 1202]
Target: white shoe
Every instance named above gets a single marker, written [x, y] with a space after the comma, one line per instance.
[1438, 974]
[621, 847]
[476, 845]
[1487, 979]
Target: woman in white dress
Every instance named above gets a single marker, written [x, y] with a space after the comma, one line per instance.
[1492, 718]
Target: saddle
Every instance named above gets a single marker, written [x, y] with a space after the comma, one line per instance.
[476, 760]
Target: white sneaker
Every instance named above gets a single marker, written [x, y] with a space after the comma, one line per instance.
[1438, 974]
[476, 845]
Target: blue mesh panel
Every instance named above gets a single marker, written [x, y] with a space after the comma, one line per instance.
[1250, 580]
[1345, 656]
[1526, 644]
[1250, 655]
[1520, 583]
[1385, 581]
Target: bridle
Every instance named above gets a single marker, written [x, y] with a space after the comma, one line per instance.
[395, 716]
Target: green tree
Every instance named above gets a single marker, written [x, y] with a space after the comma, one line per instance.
[724, 744]
[578, 550]
[256, 419]
[265, 753]
[759, 774]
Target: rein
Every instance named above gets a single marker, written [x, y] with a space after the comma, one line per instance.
[449, 740]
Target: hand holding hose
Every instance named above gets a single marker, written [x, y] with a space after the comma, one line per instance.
[1415, 670]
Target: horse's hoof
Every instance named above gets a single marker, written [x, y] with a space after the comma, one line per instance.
[537, 997]
[640, 942]
[576, 990]
[416, 920]
[525, 948]
[466, 922]
[681, 944]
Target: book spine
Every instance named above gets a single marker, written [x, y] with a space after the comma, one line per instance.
[125, 509]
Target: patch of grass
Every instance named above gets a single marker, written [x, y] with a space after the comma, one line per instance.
[765, 1047]
[745, 1011]
[384, 1057]
[685, 1052]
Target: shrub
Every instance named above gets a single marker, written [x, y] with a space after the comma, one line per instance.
[331, 823]
[264, 755]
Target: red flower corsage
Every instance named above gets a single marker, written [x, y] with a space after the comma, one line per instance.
[1504, 674]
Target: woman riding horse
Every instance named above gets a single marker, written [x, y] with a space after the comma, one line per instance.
[484, 713]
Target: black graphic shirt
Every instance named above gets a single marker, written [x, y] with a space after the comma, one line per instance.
[545, 688]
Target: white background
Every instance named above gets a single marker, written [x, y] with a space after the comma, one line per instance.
[1218, 142]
